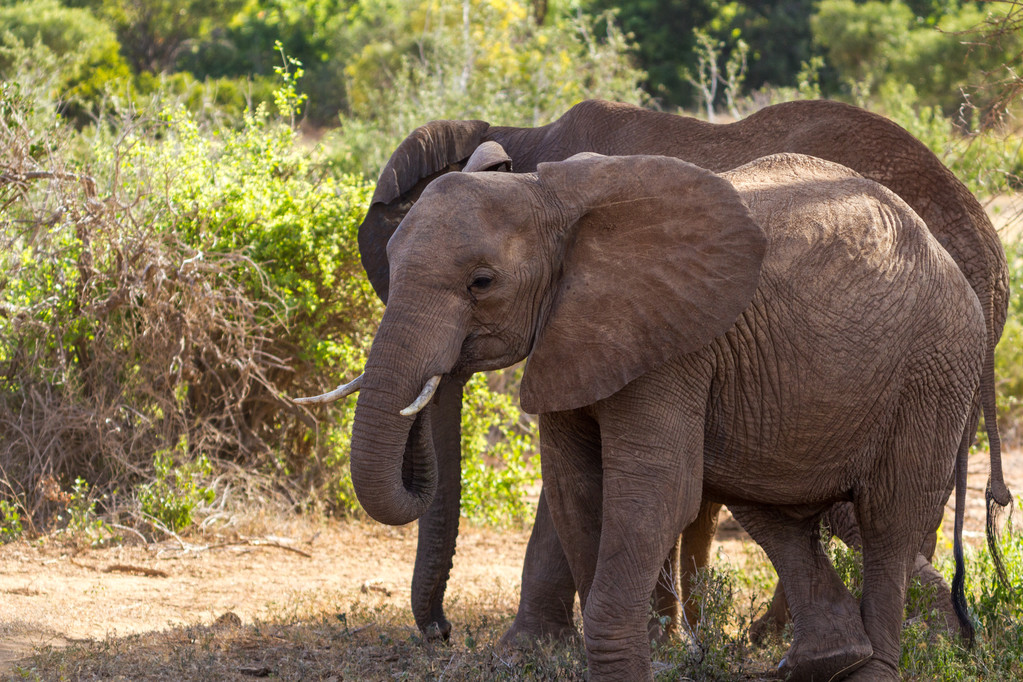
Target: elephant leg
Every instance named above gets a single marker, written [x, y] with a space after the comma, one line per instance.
[936, 594]
[573, 489]
[896, 509]
[935, 604]
[438, 527]
[840, 520]
[548, 592]
[652, 450]
[694, 557]
[828, 633]
[666, 599]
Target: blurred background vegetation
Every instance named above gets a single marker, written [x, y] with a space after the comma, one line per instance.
[181, 182]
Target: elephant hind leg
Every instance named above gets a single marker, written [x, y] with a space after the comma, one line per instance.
[547, 597]
[829, 639]
[897, 507]
[675, 605]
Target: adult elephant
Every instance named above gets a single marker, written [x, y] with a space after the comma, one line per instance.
[865, 142]
[686, 340]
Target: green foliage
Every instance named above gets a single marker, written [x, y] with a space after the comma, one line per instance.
[154, 33]
[848, 563]
[878, 44]
[72, 50]
[717, 646]
[988, 162]
[176, 490]
[10, 522]
[79, 518]
[997, 614]
[664, 41]
[497, 444]
[490, 61]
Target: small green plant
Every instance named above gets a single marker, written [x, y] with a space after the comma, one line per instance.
[80, 518]
[176, 491]
[848, 562]
[287, 98]
[10, 522]
[716, 646]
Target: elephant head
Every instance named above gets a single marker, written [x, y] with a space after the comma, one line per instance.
[594, 268]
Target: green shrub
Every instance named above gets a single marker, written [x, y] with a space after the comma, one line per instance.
[883, 43]
[497, 443]
[10, 522]
[176, 490]
[81, 51]
[217, 271]
[493, 63]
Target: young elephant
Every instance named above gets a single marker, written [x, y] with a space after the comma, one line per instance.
[865, 142]
[779, 338]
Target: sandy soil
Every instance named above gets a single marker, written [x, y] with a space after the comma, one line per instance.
[52, 594]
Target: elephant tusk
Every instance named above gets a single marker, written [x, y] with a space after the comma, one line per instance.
[342, 391]
[424, 397]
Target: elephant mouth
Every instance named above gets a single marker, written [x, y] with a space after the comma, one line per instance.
[485, 352]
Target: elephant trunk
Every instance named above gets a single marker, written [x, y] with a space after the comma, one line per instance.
[393, 460]
[394, 466]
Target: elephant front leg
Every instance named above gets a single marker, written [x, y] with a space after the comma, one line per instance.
[651, 483]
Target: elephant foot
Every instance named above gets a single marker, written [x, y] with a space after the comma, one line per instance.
[825, 666]
[437, 630]
[875, 671]
[827, 653]
[526, 632]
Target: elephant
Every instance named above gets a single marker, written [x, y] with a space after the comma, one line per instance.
[779, 338]
[867, 143]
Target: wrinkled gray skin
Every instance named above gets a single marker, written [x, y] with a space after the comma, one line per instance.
[779, 338]
[867, 143]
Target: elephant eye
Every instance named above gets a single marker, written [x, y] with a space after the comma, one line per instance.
[481, 282]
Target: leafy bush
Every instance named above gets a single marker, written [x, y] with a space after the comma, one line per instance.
[217, 270]
[988, 162]
[79, 51]
[10, 522]
[491, 62]
[497, 442]
[176, 490]
[875, 44]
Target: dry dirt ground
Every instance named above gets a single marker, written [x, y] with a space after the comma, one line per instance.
[55, 595]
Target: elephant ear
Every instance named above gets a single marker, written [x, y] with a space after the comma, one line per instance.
[660, 257]
[489, 156]
[430, 150]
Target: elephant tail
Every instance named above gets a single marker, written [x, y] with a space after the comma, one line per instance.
[959, 579]
[997, 495]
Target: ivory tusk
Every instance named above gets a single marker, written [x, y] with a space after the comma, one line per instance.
[342, 391]
[424, 397]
